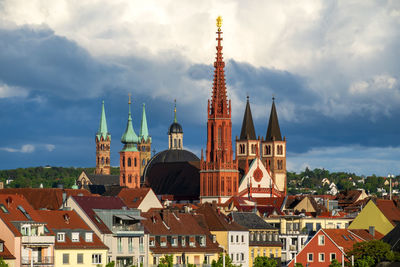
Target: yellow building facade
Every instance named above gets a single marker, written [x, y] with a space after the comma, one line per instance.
[80, 257]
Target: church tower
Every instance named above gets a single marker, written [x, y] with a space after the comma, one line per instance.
[103, 141]
[274, 151]
[219, 173]
[144, 145]
[247, 146]
[129, 156]
[175, 134]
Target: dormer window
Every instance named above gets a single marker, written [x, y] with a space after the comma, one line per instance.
[152, 241]
[75, 237]
[174, 241]
[183, 241]
[89, 237]
[202, 241]
[192, 241]
[60, 237]
[163, 241]
[1, 246]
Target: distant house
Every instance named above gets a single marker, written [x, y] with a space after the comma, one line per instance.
[119, 227]
[182, 235]
[329, 244]
[85, 180]
[76, 244]
[264, 238]
[325, 181]
[382, 214]
[25, 232]
[333, 189]
[140, 198]
[232, 237]
[349, 197]
[6, 255]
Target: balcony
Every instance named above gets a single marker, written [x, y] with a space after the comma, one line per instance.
[37, 261]
[38, 240]
[129, 229]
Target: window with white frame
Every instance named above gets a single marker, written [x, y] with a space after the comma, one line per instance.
[96, 259]
[75, 237]
[321, 240]
[163, 241]
[119, 244]
[310, 257]
[174, 241]
[60, 237]
[321, 257]
[192, 241]
[202, 241]
[89, 237]
[152, 241]
[183, 241]
[332, 256]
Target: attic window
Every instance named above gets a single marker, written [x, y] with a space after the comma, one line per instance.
[89, 237]
[163, 241]
[46, 230]
[152, 241]
[3, 208]
[345, 238]
[351, 237]
[1, 247]
[24, 212]
[75, 237]
[135, 199]
[192, 241]
[97, 219]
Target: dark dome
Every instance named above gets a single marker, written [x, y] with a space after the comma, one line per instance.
[175, 128]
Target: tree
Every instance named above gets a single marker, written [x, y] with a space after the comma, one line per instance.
[371, 252]
[110, 264]
[335, 263]
[264, 262]
[3, 263]
[228, 262]
[167, 261]
[298, 264]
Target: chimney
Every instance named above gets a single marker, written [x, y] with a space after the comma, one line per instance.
[372, 230]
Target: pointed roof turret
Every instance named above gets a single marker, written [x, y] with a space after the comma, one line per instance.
[129, 138]
[273, 132]
[219, 101]
[103, 132]
[247, 132]
[144, 131]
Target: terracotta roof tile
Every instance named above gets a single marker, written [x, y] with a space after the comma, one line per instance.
[133, 197]
[62, 220]
[217, 221]
[364, 234]
[343, 238]
[89, 203]
[388, 208]
[45, 198]
[12, 204]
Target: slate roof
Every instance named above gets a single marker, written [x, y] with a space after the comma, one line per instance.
[216, 221]
[45, 198]
[393, 238]
[56, 221]
[6, 254]
[273, 131]
[14, 214]
[102, 179]
[181, 179]
[248, 132]
[389, 209]
[89, 203]
[250, 220]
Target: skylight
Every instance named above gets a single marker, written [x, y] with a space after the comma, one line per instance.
[24, 212]
[345, 238]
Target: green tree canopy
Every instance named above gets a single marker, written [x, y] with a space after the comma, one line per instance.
[264, 262]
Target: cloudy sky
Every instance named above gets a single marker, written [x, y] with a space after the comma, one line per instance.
[333, 67]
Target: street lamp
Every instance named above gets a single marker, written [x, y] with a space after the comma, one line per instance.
[390, 176]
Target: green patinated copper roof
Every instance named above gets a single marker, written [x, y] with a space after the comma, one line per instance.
[103, 132]
[129, 138]
[144, 131]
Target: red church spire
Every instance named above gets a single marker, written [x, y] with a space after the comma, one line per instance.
[219, 104]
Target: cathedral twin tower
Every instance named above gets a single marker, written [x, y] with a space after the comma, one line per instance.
[134, 155]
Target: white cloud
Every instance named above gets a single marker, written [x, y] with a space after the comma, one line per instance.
[28, 148]
[50, 147]
[11, 91]
[358, 159]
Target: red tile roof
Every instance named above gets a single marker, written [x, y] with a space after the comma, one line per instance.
[11, 203]
[216, 221]
[133, 197]
[45, 198]
[168, 223]
[61, 220]
[88, 203]
[364, 234]
[6, 254]
[343, 238]
[388, 208]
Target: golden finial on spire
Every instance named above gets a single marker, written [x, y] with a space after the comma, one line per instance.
[219, 23]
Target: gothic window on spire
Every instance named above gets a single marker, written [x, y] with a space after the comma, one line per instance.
[280, 164]
[267, 150]
[129, 162]
[253, 149]
[280, 150]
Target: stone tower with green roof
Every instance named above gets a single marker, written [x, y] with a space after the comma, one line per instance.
[103, 141]
[144, 143]
[129, 156]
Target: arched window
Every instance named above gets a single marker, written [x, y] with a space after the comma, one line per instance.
[253, 149]
[123, 161]
[129, 178]
[135, 162]
[280, 150]
[123, 178]
[268, 150]
[129, 162]
[175, 145]
[143, 162]
[102, 160]
[280, 165]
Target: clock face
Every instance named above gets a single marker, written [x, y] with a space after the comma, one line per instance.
[258, 175]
